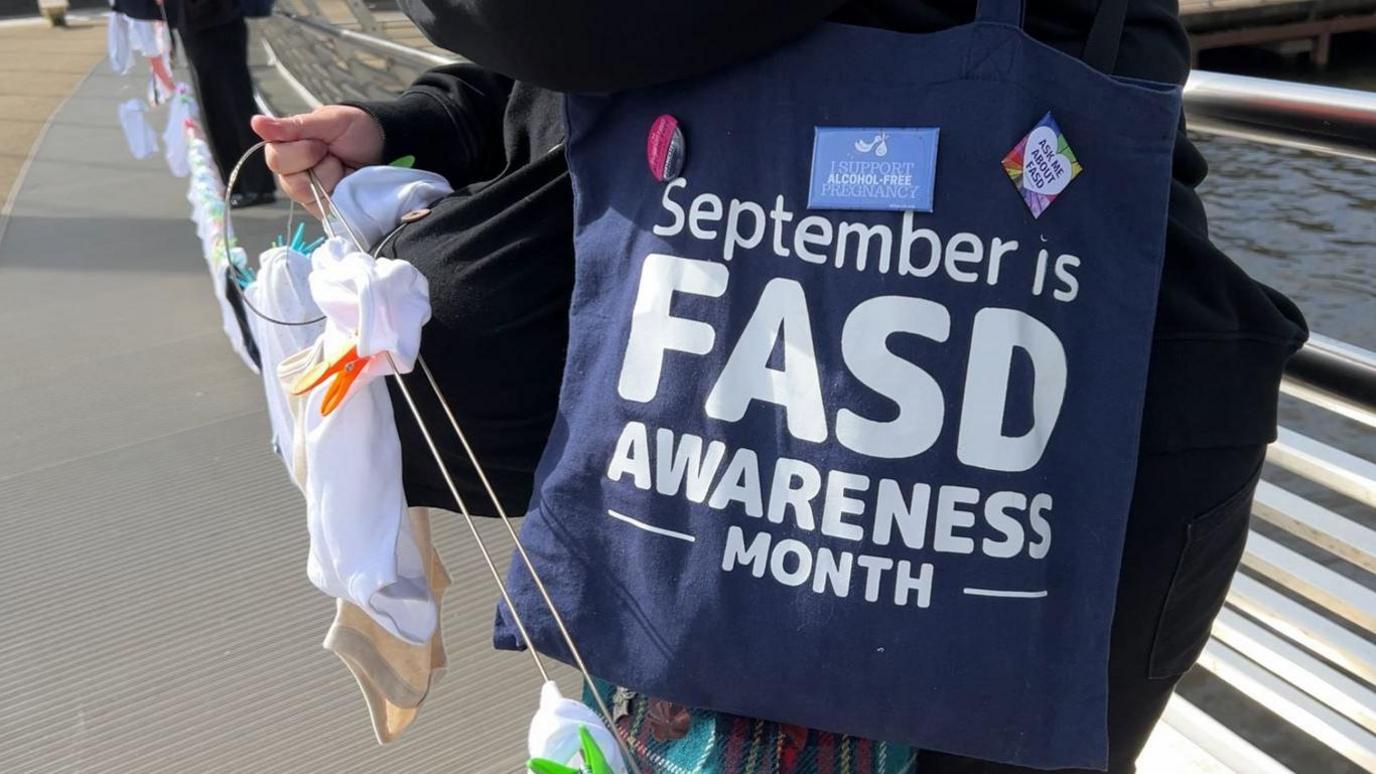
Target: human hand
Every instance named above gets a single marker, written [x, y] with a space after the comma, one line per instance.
[332, 141]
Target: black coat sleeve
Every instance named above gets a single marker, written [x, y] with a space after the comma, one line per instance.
[450, 119]
[611, 45]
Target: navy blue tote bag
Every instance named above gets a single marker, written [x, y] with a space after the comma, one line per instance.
[849, 422]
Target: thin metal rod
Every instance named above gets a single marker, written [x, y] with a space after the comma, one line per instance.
[318, 191]
[525, 559]
[227, 230]
[467, 517]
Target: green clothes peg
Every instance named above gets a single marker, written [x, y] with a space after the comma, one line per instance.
[542, 766]
[594, 761]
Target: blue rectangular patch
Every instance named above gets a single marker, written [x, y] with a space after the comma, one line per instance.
[855, 168]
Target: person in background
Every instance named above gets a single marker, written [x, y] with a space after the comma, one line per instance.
[214, 34]
[499, 258]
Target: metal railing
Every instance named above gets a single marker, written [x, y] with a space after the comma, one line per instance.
[328, 63]
[1296, 635]
[1335, 376]
[1298, 115]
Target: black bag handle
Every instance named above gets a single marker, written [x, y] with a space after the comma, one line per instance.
[1105, 35]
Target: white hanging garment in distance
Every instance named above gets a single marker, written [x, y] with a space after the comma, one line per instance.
[142, 141]
[117, 43]
[229, 321]
[149, 38]
[182, 107]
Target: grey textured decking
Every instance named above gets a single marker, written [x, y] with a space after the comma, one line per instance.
[156, 615]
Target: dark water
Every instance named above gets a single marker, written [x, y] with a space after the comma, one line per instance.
[1301, 222]
[1304, 224]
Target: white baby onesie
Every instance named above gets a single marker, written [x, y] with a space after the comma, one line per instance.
[281, 290]
[117, 43]
[361, 546]
[149, 38]
[142, 140]
[182, 107]
[554, 730]
[373, 199]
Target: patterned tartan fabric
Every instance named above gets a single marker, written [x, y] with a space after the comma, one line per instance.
[668, 739]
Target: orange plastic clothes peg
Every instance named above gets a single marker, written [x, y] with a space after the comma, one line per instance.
[345, 369]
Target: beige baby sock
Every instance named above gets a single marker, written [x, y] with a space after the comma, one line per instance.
[395, 676]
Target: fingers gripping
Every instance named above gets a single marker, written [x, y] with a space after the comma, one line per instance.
[297, 185]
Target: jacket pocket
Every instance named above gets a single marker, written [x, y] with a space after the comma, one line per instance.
[1214, 542]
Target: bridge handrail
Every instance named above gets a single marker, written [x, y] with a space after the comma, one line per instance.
[408, 54]
[1335, 375]
[1324, 119]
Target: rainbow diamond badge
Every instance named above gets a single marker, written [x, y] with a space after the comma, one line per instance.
[1041, 165]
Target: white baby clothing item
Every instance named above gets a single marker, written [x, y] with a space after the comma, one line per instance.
[373, 199]
[289, 371]
[148, 38]
[281, 290]
[394, 676]
[182, 108]
[554, 730]
[117, 43]
[381, 303]
[205, 193]
[229, 322]
[142, 141]
[361, 546]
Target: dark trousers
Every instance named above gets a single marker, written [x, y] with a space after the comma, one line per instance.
[218, 56]
[1185, 537]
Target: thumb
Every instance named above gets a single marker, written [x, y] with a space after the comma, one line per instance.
[277, 129]
[322, 124]
[326, 123]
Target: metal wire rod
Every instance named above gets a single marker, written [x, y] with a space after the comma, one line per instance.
[520, 547]
[227, 230]
[467, 517]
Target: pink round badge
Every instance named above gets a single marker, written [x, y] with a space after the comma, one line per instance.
[664, 148]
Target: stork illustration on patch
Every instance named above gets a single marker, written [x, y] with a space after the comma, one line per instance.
[880, 145]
